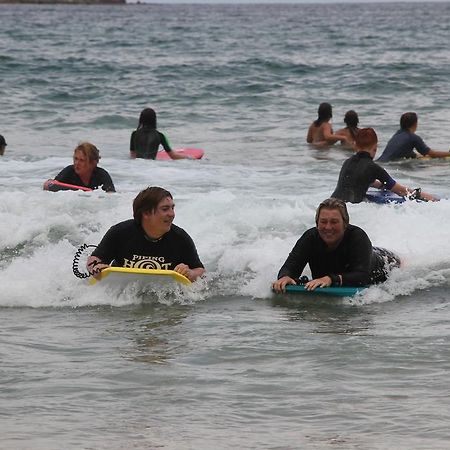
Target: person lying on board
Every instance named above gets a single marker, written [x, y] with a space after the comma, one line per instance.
[146, 139]
[84, 171]
[359, 172]
[338, 253]
[351, 121]
[149, 241]
[405, 140]
[320, 132]
[3, 145]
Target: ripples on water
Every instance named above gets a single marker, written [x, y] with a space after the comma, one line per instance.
[225, 364]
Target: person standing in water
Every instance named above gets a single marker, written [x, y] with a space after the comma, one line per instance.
[351, 121]
[405, 140]
[320, 132]
[146, 139]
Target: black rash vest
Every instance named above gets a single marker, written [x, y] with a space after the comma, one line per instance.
[357, 174]
[100, 177]
[145, 142]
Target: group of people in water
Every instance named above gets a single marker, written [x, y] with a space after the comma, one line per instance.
[337, 252]
[359, 172]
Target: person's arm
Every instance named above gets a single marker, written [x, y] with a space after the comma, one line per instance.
[437, 154]
[330, 137]
[191, 274]
[310, 135]
[294, 264]
[107, 182]
[95, 265]
[408, 192]
[133, 153]
[167, 147]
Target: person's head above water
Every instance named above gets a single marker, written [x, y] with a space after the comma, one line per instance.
[324, 113]
[408, 120]
[366, 138]
[147, 118]
[148, 200]
[332, 221]
[351, 119]
[3, 145]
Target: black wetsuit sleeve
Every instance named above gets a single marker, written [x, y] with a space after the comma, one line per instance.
[384, 177]
[357, 272]
[165, 142]
[107, 250]
[191, 257]
[298, 258]
[106, 181]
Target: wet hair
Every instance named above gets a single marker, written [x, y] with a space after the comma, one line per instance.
[407, 120]
[148, 200]
[351, 119]
[334, 203]
[90, 151]
[324, 113]
[365, 138]
[147, 118]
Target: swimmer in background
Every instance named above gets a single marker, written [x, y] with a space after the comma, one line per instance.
[403, 143]
[320, 132]
[359, 172]
[146, 139]
[84, 171]
[351, 119]
[3, 145]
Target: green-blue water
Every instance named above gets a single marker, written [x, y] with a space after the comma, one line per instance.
[225, 364]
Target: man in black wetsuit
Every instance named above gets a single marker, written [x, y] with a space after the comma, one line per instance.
[360, 171]
[84, 171]
[149, 241]
[338, 254]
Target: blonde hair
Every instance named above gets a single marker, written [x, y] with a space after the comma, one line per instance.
[89, 150]
[334, 203]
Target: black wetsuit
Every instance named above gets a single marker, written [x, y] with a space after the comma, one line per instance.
[146, 141]
[354, 259]
[357, 174]
[100, 177]
[126, 245]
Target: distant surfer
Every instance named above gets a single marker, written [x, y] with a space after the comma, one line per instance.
[403, 143]
[3, 145]
[146, 139]
[320, 132]
[359, 172]
[149, 241]
[338, 253]
[351, 121]
[84, 171]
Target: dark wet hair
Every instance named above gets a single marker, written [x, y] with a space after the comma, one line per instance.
[407, 120]
[351, 119]
[147, 118]
[324, 113]
[365, 138]
[90, 151]
[148, 200]
[334, 203]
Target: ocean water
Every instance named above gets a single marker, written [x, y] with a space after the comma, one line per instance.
[225, 363]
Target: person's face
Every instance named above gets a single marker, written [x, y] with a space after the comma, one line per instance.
[331, 227]
[159, 221]
[82, 165]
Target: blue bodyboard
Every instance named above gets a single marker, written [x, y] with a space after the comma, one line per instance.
[335, 291]
[382, 197]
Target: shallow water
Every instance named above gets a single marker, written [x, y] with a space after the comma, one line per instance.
[224, 363]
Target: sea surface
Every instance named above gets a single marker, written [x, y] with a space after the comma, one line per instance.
[224, 364]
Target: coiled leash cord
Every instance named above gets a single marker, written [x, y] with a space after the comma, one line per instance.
[76, 261]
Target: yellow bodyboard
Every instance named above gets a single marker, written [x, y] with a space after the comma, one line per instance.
[127, 274]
